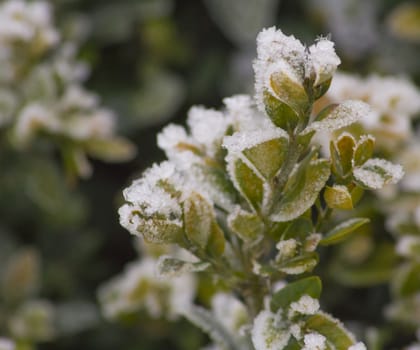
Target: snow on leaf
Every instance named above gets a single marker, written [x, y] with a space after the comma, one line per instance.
[323, 60]
[343, 115]
[376, 173]
[168, 266]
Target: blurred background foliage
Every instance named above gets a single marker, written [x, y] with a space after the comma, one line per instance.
[150, 61]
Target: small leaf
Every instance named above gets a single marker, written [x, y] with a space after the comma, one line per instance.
[338, 197]
[299, 264]
[343, 230]
[345, 145]
[294, 291]
[302, 190]
[376, 173]
[332, 329]
[343, 115]
[364, 150]
[171, 267]
[248, 183]
[267, 157]
[200, 224]
[289, 91]
[247, 226]
[280, 113]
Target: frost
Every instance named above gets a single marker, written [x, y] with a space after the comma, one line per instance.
[344, 114]
[207, 127]
[287, 248]
[357, 346]
[323, 60]
[314, 341]
[376, 173]
[266, 334]
[138, 287]
[306, 305]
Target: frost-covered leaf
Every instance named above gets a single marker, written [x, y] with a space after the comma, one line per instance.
[171, 267]
[343, 115]
[248, 183]
[376, 173]
[302, 190]
[299, 264]
[160, 231]
[210, 325]
[293, 291]
[332, 329]
[200, 224]
[364, 150]
[265, 333]
[268, 156]
[343, 230]
[289, 91]
[338, 197]
[248, 226]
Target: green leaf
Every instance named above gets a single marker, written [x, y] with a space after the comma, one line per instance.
[248, 226]
[338, 197]
[268, 156]
[294, 291]
[248, 183]
[302, 190]
[332, 329]
[280, 113]
[364, 150]
[345, 146]
[171, 267]
[343, 231]
[291, 92]
[200, 224]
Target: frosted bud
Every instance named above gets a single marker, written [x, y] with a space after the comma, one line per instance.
[314, 341]
[323, 61]
[287, 248]
[306, 305]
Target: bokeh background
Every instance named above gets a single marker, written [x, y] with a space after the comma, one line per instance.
[150, 61]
